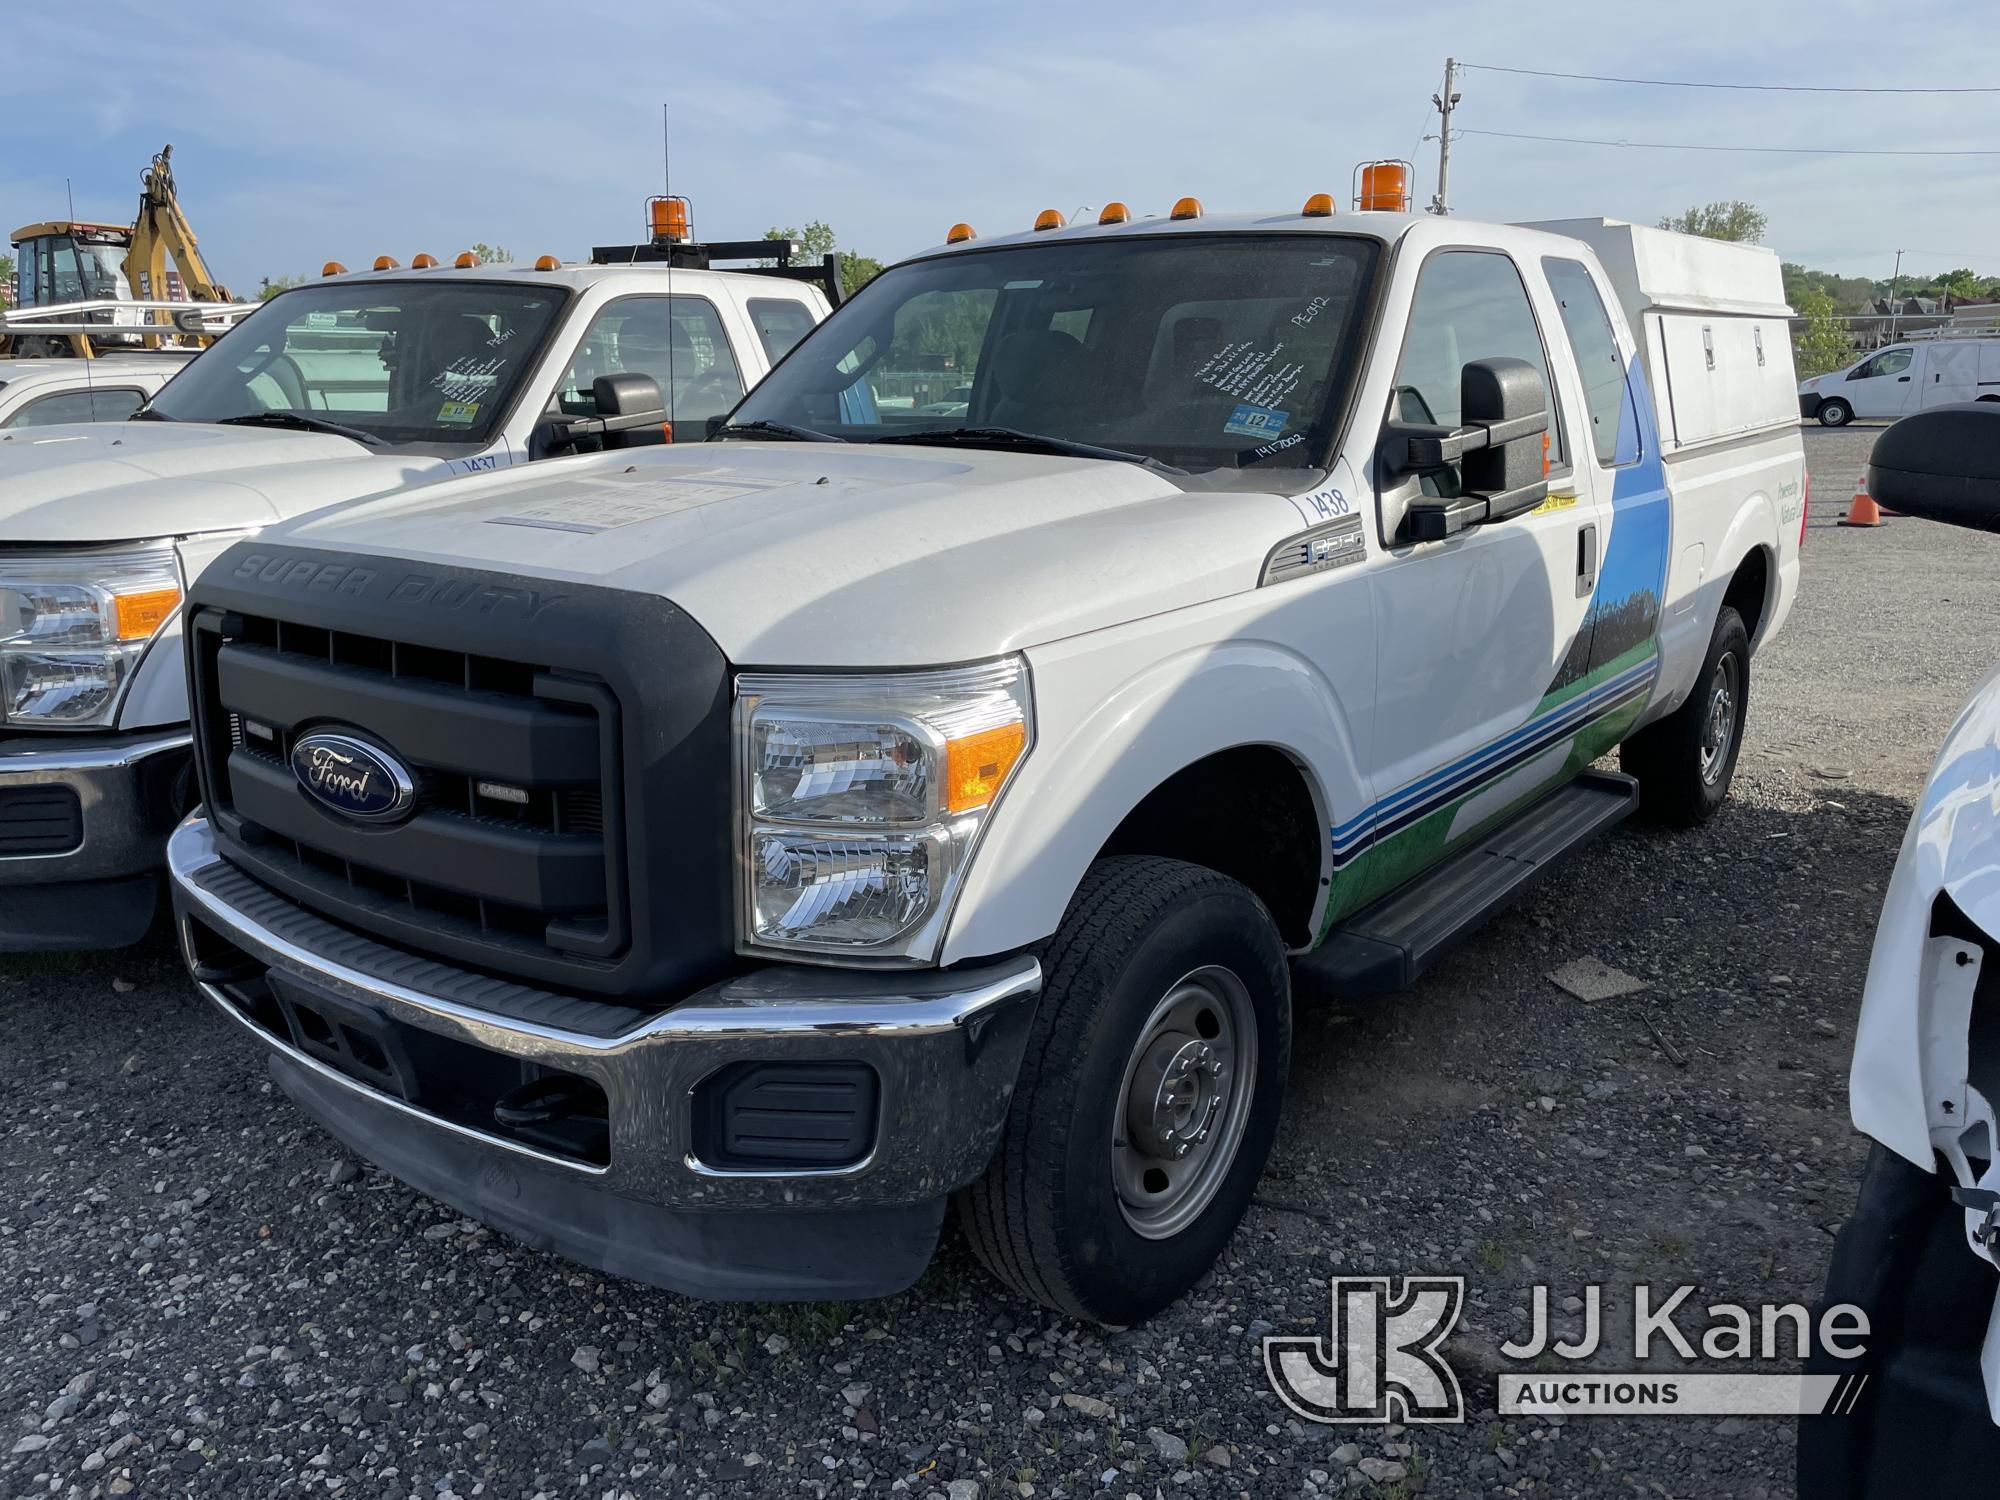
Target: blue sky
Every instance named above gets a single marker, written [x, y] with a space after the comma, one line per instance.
[345, 130]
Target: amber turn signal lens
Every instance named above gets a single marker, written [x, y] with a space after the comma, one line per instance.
[137, 616]
[977, 765]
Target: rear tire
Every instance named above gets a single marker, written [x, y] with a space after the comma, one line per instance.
[1148, 1097]
[1835, 413]
[1686, 761]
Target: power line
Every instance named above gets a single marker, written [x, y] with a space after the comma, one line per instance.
[1576, 140]
[1759, 88]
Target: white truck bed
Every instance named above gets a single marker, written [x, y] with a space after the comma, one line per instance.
[1711, 321]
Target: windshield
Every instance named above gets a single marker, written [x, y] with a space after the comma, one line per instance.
[408, 363]
[1202, 351]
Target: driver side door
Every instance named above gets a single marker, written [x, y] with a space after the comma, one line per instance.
[1482, 637]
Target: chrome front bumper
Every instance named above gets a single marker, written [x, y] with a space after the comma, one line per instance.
[83, 832]
[945, 1046]
[119, 828]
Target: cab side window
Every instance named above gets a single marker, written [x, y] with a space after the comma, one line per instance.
[1888, 362]
[1469, 304]
[1614, 421]
[780, 323]
[678, 341]
[113, 405]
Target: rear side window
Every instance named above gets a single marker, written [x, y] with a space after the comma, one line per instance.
[1470, 304]
[780, 323]
[78, 406]
[1607, 391]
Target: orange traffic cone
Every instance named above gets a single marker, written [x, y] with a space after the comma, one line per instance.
[1863, 511]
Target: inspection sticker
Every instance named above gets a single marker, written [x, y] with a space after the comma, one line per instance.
[1256, 421]
[459, 411]
[589, 507]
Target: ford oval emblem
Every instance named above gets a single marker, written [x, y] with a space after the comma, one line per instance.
[353, 777]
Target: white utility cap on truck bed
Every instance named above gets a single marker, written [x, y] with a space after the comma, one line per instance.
[1712, 324]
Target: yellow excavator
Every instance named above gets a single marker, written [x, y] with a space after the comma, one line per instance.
[88, 287]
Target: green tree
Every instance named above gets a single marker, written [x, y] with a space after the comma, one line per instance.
[270, 286]
[1821, 344]
[1733, 220]
[856, 271]
[492, 255]
[6, 275]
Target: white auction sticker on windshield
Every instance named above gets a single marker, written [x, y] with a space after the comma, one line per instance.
[591, 507]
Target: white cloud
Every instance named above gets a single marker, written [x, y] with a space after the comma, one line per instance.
[345, 131]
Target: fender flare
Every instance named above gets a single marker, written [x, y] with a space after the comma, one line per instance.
[1087, 772]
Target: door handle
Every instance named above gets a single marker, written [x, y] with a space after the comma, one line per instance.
[1586, 560]
[1902, 380]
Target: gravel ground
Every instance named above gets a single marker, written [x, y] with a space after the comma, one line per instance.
[208, 1297]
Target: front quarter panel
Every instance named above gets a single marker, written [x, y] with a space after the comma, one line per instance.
[1118, 712]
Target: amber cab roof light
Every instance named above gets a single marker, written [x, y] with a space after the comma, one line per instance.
[333, 268]
[1049, 218]
[1318, 206]
[958, 234]
[1186, 208]
[422, 262]
[466, 260]
[669, 218]
[1115, 213]
[387, 263]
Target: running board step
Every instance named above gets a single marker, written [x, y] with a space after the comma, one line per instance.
[1384, 947]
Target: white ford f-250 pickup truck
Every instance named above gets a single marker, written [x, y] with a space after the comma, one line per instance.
[706, 863]
[354, 385]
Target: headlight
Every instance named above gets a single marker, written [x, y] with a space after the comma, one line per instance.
[72, 629]
[861, 798]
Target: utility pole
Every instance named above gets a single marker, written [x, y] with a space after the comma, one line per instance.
[1895, 303]
[1444, 103]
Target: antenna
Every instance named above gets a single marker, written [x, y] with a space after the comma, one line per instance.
[667, 186]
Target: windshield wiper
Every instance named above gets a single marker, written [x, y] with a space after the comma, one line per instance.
[778, 430]
[299, 422]
[1031, 442]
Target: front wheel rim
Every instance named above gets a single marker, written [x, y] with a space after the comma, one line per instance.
[1184, 1102]
[1718, 729]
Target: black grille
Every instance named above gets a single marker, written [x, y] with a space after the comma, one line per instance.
[506, 858]
[39, 820]
[570, 744]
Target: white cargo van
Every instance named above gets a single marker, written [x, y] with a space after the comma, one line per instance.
[1905, 378]
[708, 862]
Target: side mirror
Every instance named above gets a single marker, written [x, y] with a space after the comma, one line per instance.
[631, 414]
[1942, 464]
[1499, 446]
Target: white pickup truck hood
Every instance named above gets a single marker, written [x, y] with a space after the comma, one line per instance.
[814, 554]
[120, 481]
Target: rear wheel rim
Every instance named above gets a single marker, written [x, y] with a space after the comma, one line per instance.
[1184, 1102]
[1718, 729]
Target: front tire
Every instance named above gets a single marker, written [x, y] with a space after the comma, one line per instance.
[1686, 761]
[1835, 413]
[1148, 1098]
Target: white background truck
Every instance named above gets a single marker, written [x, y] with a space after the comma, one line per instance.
[707, 863]
[56, 392]
[351, 386]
